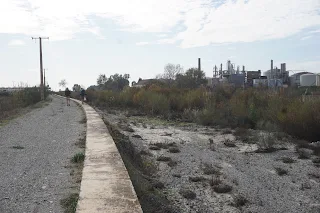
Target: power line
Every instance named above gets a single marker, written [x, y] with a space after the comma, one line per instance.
[41, 66]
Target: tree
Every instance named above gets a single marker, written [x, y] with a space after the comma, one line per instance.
[102, 79]
[133, 83]
[76, 88]
[193, 78]
[63, 83]
[171, 71]
[115, 82]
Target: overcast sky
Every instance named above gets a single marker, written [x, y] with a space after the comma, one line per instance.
[140, 36]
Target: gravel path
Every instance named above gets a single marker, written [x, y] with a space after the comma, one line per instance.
[35, 152]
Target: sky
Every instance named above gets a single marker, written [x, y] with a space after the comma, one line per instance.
[139, 37]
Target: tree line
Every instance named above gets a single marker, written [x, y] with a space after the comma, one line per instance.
[173, 76]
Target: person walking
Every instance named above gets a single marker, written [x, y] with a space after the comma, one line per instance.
[67, 94]
[82, 95]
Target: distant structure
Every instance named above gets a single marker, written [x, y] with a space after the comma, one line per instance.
[11, 89]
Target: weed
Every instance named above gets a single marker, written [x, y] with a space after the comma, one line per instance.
[226, 132]
[229, 143]
[137, 136]
[222, 188]
[174, 150]
[158, 185]
[154, 147]
[303, 153]
[316, 160]
[83, 120]
[288, 160]
[70, 203]
[197, 178]
[172, 163]
[145, 152]
[17, 147]
[163, 158]
[176, 175]
[266, 143]
[239, 201]
[215, 180]
[78, 158]
[81, 142]
[209, 169]
[188, 194]
[281, 171]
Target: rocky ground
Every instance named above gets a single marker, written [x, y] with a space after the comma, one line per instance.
[219, 170]
[35, 152]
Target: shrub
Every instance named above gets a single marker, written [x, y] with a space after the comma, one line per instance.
[187, 194]
[222, 188]
[281, 171]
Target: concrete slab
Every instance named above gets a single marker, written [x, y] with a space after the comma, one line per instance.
[106, 185]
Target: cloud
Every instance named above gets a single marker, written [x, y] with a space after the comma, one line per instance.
[162, 35]
[192, 23]
[16, 42]
[314, 31]
[306, 38]
[142, 43]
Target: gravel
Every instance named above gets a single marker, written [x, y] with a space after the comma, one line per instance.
[35, 152]
[250, 174]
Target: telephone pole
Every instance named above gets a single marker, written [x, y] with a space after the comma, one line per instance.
[41, 67]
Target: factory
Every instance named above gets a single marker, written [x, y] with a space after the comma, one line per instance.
[273, 78]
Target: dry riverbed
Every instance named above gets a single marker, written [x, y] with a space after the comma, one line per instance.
[204, 169]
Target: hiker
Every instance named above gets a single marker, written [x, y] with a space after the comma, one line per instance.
[82, 95]
[68, 93]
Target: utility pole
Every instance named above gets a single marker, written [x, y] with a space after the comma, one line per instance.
[41, 67]
[44, 81]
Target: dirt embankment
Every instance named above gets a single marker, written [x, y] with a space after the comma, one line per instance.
[189, 168]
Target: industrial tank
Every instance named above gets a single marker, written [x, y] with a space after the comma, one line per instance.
[318, 80]
[260, 82]
[308, 80]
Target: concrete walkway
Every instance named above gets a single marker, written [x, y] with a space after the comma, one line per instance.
[106, 186]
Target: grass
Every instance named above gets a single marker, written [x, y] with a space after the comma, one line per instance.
[281, 171]
[78, 158]
[70, 203]
[17, 147]
[226, 132]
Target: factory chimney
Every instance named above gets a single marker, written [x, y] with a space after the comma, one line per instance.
[199, 64]
[271, 71]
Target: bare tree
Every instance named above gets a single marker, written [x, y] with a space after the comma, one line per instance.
[172, 70]
[63, 83]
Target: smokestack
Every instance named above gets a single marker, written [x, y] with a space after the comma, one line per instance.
[199, 64]
[271, 71]
[243, 68]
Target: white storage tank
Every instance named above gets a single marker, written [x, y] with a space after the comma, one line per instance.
[318, 80]
[308, 80]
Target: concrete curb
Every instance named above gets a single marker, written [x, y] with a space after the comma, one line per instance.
[106, 185]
